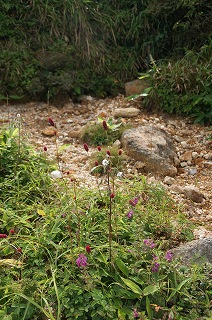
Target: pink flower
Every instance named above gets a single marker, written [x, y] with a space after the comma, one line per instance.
[19, 250]
[133, 202]
[45, 148]
[135, 313]
[99, 148]
[81, 261]
[169, 256]
[12, 231]
[86, 147]
[108, 152]
[130, 214]
[96, 163]
[155, 267]
[120, 152]
[112, 195]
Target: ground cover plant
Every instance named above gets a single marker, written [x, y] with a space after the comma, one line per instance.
[67, 252]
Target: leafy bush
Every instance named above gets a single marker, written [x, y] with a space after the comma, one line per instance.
[103, 132]
[183, 86]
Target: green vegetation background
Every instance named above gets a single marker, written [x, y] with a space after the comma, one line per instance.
[68, 48]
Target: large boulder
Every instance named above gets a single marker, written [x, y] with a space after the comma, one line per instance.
[153, 147]
[196, 251]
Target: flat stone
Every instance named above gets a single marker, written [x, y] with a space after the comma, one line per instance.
[126, 112]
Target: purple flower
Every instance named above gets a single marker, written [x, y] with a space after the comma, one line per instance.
[81, 261]
[130, 214]
[135, 313]
[169, 256]
[133, 202]
[155, 267]
[149, 243]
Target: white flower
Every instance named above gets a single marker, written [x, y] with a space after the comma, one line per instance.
[119, 174]
[56, 174]
[18, 115]
[105, 163]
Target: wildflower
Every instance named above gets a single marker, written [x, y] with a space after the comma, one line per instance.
[19, 250]
[155, 267]
[86, 147]
[12, 231]
[45, 148]
[51, 122]
[130, 214]
[3, 235]
[105, 163]
[88, 249]
[99, 148]
[104, 123]
[149, 243]
[63, 215]
[96, 163]
[112, 195]
[135, 313]
[169, 256]
[120, 152]
[133, 202]
[119, 174]
[108, 152]
[81, 261]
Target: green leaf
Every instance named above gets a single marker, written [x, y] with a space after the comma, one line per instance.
[150, 290]
[132, 285]
[122, 266]
[180, 285]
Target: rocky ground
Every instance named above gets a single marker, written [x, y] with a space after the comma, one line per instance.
[193, 148]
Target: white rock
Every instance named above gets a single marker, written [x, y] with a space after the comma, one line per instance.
[56, 174]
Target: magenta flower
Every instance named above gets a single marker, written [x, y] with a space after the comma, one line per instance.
[12, 231]
[149, 243]
[96, 163]
[99, 148]
[45, 148]
[155, 267]
[81, 261]
[135, 313]
[120, 152]
[86, 147]
[130, 214]
[169, 256]
[133, 202]
[108, 152]
[112, 195]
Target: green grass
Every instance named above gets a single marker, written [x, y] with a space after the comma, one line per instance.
[123, 227]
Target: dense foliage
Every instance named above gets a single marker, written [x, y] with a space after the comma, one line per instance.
[59, 48]
[105, 253]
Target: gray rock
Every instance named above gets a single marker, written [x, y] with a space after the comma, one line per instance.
[152, 147]
[196, 251]
[126, 112]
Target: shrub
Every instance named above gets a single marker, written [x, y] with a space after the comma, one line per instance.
[183, 86]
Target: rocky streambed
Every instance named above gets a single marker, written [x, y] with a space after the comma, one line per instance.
[191, 186]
